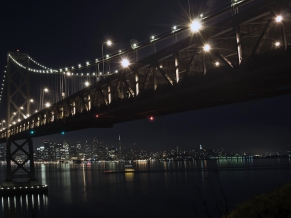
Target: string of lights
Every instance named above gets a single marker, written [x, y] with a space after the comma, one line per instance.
[37, 63]
[32, 70]
[194, 27]
[48, 70]
[2, 85]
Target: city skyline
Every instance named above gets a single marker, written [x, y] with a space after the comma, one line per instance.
[66, 38]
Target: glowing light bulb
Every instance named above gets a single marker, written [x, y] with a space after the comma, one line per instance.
[195, 26]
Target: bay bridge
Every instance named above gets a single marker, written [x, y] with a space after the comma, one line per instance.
[238, 53]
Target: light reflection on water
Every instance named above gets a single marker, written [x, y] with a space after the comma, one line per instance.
[163, 188]
[33, 205]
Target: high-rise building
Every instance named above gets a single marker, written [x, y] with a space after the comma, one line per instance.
[66, 154]
[46, 143]
[119, 145]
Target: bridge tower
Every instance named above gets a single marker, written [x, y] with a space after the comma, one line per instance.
[18, 108]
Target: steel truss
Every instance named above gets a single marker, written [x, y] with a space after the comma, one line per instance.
[239, 45]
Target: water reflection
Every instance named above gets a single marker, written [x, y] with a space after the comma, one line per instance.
[158, 185]
[32, 205]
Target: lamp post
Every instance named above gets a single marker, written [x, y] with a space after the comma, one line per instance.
[29, 106]
[109, 43]
[42, 97]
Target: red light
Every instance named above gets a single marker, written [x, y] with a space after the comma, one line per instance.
[17, 50]
[97, 115]
[151, 118]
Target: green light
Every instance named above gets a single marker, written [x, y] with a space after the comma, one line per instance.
[31, 132]
[63, 133]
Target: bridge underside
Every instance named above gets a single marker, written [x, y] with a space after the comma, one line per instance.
[182, 76]
[217, 87]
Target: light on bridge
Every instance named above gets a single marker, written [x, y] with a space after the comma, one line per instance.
[47, 104]
[195, 26]
[206, 47]
[125, 63]
[174, 28]
[87, 83]
[279, 19]
[217, 63]
[31, 100]
[45, 89]
[277, 44]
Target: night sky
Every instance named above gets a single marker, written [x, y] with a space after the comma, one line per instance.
[64, 33]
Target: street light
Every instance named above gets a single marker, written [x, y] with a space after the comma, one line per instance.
[125, 63]
[279, 19]
[195, 26]
[206, 47]
[109, 43]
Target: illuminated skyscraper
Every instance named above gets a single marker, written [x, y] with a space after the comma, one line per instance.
[119, 145]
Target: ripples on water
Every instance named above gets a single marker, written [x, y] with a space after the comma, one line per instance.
[157, 189]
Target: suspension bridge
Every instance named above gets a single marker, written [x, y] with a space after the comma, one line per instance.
[229, 56]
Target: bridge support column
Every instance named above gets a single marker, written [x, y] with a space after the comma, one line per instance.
[155, 78]
[136, 82]
[23, 172]
[238, 39]
[8, 161]
[204, 63]
[284, 35]
[109, 92]
[177, 68]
